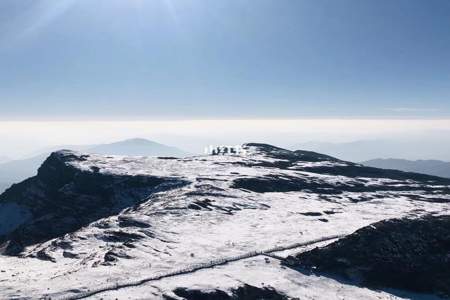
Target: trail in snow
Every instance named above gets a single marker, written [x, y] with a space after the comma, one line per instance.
[193, 268]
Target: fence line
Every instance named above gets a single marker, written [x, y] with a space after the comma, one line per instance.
[190, 269]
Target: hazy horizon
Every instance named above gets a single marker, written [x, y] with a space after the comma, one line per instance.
[21, 139]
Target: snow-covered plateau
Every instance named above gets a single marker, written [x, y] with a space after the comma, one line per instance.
[115, 227]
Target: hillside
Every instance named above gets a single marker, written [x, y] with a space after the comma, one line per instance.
[107, 227]
[409, 253]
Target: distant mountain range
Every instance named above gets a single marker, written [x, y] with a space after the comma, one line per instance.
[18, 170]
[137, 147]
[430, 167]
[409, 150]
[362, 150]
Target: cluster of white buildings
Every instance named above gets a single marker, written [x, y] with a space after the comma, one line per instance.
[224, 150]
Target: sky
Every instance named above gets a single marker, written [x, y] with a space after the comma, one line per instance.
[194, 72]
[195, 60]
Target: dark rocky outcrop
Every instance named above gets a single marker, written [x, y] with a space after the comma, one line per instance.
[131, 222]
[411, 254]
[288, 159]
[357, 170]
[273, 183]
[63, 198]
[311, 214]
[245, 292]
[357, 176]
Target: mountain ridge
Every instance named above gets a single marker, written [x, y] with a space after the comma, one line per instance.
[86, 220]
[425, 166]
[361, 150]
[17, 170]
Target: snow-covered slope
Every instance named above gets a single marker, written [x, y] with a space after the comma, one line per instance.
[88, 222]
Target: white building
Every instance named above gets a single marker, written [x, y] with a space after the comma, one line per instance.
[224, 150]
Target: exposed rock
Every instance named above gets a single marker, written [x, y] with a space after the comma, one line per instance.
[311, 214]
[113, 256]
[126, 221]
[63, 198]
[245, 292]
[281, 184]
[43, 255]
[412, 254]
[68, 254]
[119, 236]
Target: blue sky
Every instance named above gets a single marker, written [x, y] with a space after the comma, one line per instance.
[192, 59]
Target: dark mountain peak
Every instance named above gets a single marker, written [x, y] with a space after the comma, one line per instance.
[56, 169]
[64, 156]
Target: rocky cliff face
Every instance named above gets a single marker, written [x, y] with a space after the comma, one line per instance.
[411, 254]
[99, 219]
[63, 198]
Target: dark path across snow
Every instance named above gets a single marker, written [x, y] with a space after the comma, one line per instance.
[191, 269]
